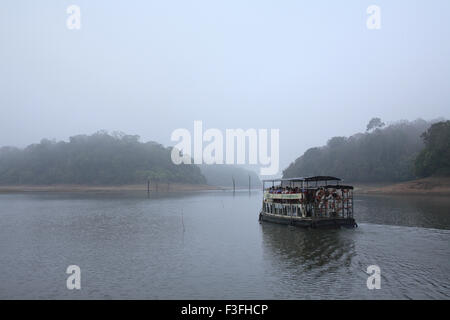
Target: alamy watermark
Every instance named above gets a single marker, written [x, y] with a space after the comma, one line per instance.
[73, 21]
[74, 279]
[235, 140]
[374, 20]
[374, 280]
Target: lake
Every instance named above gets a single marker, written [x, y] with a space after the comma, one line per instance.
[210, 245]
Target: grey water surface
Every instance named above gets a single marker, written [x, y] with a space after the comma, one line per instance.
[210, 245]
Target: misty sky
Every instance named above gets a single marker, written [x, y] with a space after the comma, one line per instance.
[310, 68]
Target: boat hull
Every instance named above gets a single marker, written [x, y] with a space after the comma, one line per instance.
[308, 222]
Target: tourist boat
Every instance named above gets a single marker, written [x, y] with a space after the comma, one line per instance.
[311, 202]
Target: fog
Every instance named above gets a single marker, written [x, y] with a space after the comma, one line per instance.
[312, 70]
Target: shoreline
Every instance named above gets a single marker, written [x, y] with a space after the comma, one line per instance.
[163, 187]
[431, 186]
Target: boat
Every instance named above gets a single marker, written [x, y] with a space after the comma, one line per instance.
[310, 202]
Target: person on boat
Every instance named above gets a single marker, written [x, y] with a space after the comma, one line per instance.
[335, 194]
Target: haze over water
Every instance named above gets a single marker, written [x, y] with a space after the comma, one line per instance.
[210, 245]
[151, 67]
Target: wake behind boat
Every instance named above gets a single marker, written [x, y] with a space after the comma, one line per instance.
[319, 201]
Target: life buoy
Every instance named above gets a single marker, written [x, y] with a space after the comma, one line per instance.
[320, 194]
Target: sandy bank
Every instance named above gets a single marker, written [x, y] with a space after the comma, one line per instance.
[430, 186]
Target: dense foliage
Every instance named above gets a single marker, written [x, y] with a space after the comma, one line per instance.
[383, 154]
[100, 158]
[434, 159]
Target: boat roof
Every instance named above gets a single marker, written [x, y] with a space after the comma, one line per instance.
[300, 179]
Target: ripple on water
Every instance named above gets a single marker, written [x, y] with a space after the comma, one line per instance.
[188, 246]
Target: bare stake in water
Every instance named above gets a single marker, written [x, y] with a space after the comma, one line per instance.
[182, 220]
[234, 185]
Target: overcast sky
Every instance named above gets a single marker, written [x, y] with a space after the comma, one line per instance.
[310, 68]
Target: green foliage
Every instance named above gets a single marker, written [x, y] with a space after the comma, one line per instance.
[386, 154]
[100, 158]
[434, 159]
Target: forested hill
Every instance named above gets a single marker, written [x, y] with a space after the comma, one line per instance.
[382, 153]
[101, 159]
[434, 159]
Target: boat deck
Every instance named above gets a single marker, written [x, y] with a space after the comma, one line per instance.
[308, 222]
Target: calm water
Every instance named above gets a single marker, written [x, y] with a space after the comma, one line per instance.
[210, 245]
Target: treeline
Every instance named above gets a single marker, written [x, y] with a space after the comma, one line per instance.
[398, 152]
[101, 158]
[434, 159]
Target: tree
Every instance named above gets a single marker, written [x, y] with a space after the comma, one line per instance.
[374, 123]
[99, 158]
[434, 159]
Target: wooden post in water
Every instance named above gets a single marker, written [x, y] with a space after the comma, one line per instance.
[234, 185]
[148, 187]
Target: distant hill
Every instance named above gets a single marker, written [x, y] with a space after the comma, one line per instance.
[385, 154]
[97, 159]
[222, 175]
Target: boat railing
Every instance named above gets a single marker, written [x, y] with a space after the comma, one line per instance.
[327, 205]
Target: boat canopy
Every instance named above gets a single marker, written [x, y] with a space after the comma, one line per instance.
[308, 182]
[305, 179]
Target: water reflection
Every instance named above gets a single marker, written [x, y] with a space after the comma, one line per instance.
[308, 263]
[412, 211]
[308, 248]
[210, 245]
